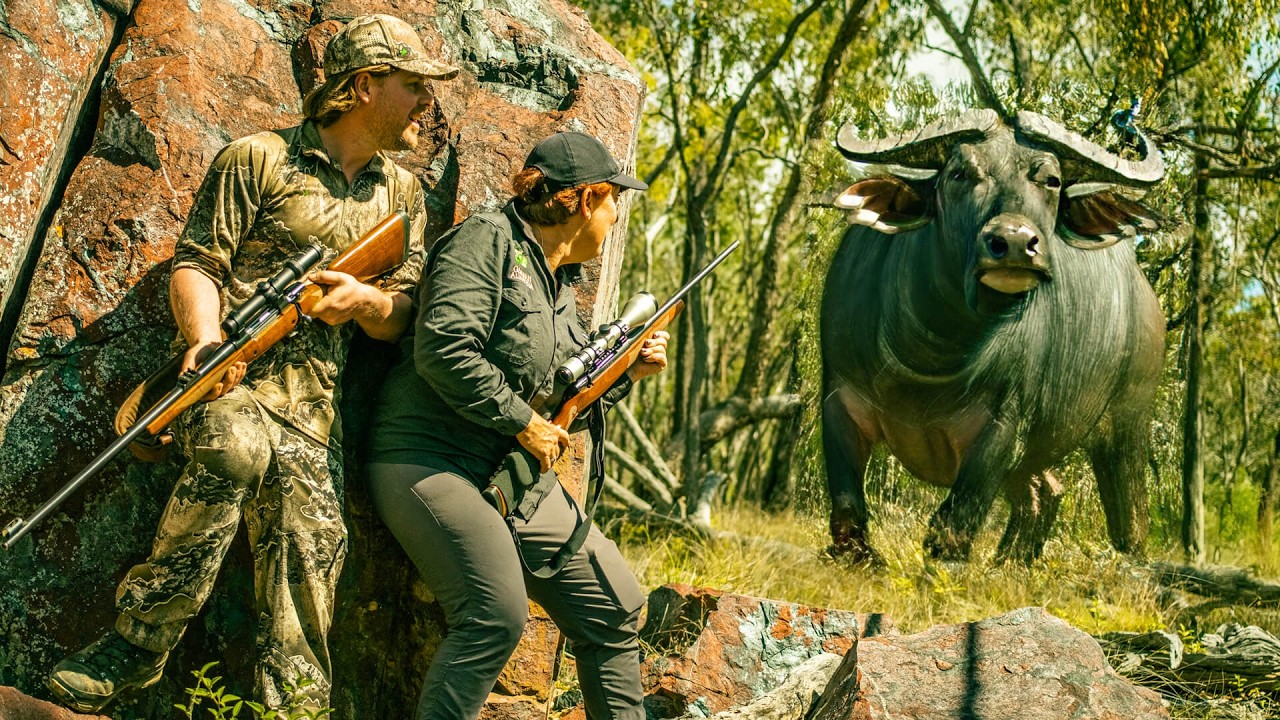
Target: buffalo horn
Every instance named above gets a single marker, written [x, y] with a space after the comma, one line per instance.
[927, 147]
[1084, 160]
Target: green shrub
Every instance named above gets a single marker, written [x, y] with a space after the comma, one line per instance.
[222, 705]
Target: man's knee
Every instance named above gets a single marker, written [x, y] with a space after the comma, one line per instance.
[228, 439]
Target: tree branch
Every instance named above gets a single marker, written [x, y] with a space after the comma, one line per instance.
[1254, 172]
[1021, 57]
[785, 212]
[625, 496]
[726, 140]
[642, 473]
[735, 413]
[656, 461]
[980, 80]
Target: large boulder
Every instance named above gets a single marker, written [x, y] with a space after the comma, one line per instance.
[51, 51]
[17, 706]
[182, 79]
[714, 651]
[1024, 665]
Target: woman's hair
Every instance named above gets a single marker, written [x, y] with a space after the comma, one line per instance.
[326, 103]
[547, 207]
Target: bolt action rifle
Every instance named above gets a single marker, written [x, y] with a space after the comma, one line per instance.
[518, 484]
[267, 317]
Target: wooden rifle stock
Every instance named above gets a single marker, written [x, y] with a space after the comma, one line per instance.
[167, 393]
[375, 253]
[574, 405]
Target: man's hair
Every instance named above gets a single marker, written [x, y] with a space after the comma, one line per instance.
[546, 207]
[326, 103]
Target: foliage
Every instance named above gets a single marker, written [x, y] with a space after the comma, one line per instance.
[223, 705]
[1208, 75]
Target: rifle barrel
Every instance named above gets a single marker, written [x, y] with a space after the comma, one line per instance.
[15, 530]
[688, 287]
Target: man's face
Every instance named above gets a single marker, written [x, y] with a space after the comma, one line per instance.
[398, 104]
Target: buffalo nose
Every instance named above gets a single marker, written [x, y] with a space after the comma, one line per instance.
[1011, 239]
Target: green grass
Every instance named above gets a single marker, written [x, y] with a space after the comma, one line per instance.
[781, 556]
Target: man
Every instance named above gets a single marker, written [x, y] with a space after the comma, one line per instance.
[267, 449]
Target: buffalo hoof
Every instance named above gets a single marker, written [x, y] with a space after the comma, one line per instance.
[855, 553]
[945, 546]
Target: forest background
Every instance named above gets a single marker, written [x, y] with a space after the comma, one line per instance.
[738, 144]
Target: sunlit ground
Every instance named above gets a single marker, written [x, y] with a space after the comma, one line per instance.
[1081, 580]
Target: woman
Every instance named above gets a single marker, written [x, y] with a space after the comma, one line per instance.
[495, 316]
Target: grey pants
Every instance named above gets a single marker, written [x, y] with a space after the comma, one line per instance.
[467, 557]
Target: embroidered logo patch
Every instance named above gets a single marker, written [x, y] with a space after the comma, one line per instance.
[521, 260]
[519, 275]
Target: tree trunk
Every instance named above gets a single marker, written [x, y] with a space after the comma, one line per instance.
[1267, 498]
[787, 214]
[1192, 433]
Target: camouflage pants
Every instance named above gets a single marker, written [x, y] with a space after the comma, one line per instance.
[244, 463]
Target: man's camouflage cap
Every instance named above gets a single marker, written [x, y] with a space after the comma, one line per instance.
[381, 39]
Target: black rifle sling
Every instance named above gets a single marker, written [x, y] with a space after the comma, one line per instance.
[595, 485]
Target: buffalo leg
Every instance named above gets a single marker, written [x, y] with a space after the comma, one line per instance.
[961, 514]
[1119, 466]
[846, 452]
[1033, 507]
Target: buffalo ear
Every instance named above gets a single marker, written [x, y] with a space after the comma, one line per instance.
[1095, 216]
[885, 204]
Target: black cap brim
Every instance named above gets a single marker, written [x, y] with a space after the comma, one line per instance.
[626, 181]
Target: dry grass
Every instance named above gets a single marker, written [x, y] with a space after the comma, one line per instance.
[782, 556]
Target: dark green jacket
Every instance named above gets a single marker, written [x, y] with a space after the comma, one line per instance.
[491, 325]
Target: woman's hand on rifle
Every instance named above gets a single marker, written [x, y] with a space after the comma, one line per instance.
[544, 440]
[653, 357]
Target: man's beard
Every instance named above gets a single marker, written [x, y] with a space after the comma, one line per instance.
[396, 137]
[406, 140]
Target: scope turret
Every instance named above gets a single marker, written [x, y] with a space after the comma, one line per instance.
[635, 314]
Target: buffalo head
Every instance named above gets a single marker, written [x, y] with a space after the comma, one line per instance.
[1005, 198]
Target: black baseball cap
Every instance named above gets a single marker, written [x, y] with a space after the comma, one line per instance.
[570, 159]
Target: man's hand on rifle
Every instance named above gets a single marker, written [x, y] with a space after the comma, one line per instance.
[544, 440]
[346, 299]
[383, 316]
[653, 357]
[196, 355]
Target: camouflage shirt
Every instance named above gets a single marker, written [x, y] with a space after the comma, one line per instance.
[264, 198]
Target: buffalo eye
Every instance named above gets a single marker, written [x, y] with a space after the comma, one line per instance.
[1046, 173]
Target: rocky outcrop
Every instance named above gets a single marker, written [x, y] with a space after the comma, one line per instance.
[181, 80]
[1024, 665]
[16, 706]
[715, 651]
[732, 657]
[51, 52]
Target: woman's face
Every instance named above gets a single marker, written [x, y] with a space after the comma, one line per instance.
[595, 227]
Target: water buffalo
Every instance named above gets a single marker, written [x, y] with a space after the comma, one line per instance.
[984, 317]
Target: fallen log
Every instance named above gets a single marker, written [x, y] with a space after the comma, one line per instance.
[1235, 658]
[1223, 584]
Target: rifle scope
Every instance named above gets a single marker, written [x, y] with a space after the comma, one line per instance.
[635, 314]
[272, 293]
